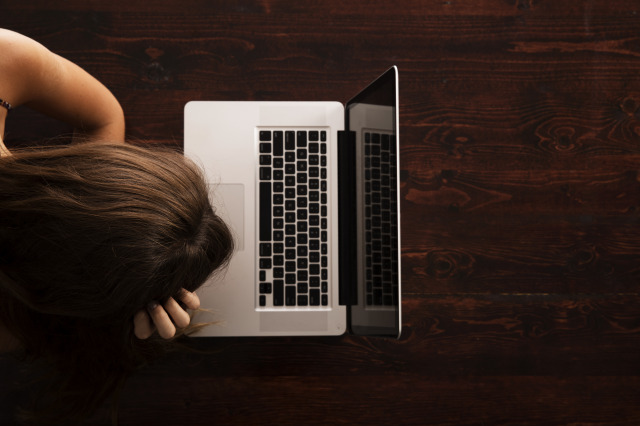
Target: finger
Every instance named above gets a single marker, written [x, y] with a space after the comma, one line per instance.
[191, 300]
[180, 316]
[143, 327]
[161, 319]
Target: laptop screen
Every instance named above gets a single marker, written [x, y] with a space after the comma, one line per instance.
[372, 122]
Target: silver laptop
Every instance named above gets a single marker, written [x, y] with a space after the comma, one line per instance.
[310, 192]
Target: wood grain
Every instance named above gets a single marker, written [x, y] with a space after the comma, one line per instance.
[520, 157]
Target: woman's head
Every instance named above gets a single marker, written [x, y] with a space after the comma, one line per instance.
[91, 233]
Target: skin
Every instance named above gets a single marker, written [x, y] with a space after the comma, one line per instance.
[165, 318]
[33, 76]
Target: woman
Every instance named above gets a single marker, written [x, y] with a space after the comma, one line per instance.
[99, 242]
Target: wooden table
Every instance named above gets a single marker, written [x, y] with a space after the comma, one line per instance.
[520, 152]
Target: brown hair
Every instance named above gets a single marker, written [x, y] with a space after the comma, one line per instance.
[89, 235]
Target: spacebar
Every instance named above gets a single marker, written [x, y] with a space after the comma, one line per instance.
[265, 211]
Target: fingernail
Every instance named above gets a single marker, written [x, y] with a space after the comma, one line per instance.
[152, 305]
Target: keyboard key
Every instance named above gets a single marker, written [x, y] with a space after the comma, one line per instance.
[278, 293]
[265, 135]
[290, 295]
[314, 135]
[265, 148]
[278, 143]
[265, 160]
[265, 211]
[265, 249]
[289, 140]
[301, 138]
[314, 297]
[265, 263]
[265, 288]
[265, 173]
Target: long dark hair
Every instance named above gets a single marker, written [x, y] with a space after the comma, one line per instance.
[89, 235]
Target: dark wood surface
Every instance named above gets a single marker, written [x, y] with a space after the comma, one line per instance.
[520, 153]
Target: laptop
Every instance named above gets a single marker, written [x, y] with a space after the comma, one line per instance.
[310, 192]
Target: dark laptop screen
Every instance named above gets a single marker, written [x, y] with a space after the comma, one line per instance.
[372, 120]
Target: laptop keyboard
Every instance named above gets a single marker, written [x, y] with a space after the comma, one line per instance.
[381, 220]
[293, 228]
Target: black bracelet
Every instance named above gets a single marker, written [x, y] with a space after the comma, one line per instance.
[5, 104]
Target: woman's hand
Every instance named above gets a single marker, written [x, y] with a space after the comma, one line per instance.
[164, 318]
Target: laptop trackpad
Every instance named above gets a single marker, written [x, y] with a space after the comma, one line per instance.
[228, 201]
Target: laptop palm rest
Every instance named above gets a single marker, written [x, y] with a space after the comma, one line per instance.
[228, 200]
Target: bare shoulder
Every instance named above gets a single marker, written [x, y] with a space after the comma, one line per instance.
[23, 60]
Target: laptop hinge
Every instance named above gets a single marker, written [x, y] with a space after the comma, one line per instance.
[347, 217]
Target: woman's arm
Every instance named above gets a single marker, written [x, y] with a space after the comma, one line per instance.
[32, 75]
